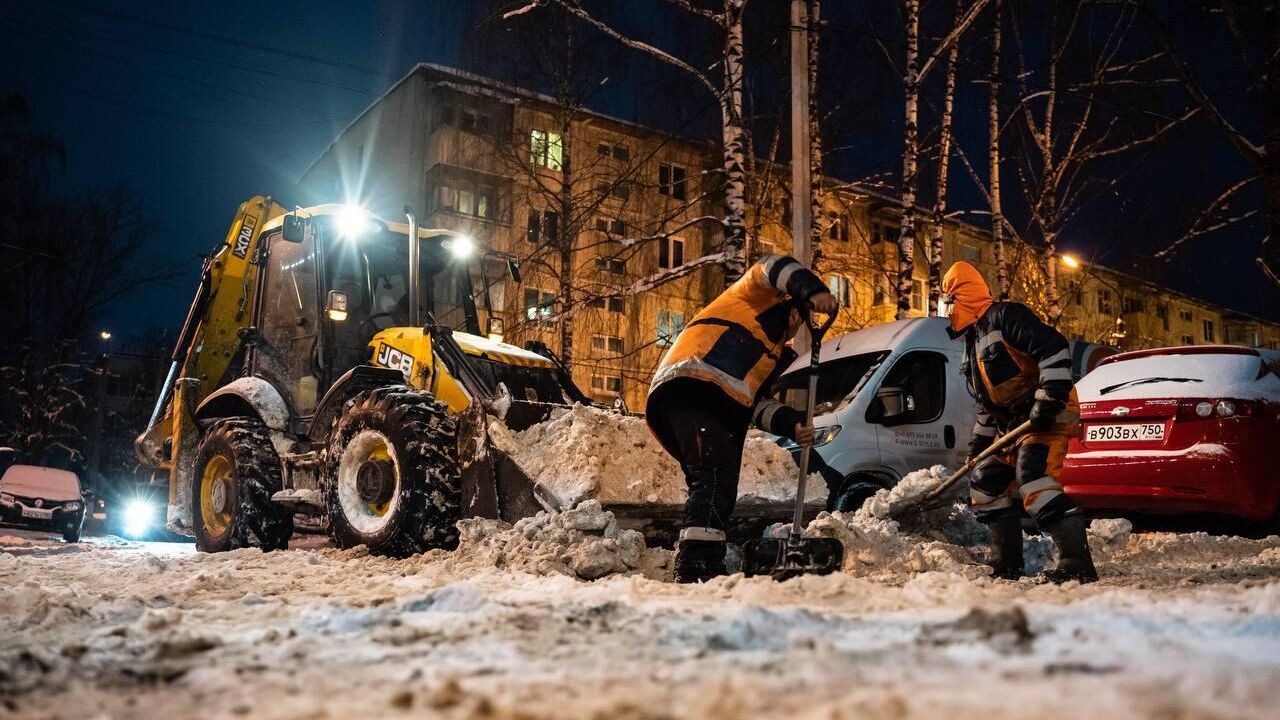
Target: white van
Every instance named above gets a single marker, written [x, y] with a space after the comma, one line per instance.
[891, 399]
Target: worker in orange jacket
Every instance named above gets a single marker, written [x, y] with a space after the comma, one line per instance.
[713, 384]
[1019, 369]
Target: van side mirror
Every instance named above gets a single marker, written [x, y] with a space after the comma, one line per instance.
[294, 229]
[892, 406]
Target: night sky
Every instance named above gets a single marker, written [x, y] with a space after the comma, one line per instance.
[197, 106]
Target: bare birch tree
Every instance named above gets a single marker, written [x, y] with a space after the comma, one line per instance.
[939, 214]
[914, 73]
[993, 152]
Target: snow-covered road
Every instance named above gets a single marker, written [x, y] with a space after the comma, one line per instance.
[1181, 627]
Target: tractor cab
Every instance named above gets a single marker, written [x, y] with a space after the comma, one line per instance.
[334, 277]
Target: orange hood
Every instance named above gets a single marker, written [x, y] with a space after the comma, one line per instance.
[969, 293]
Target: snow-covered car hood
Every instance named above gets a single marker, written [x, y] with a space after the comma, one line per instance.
[41, 482]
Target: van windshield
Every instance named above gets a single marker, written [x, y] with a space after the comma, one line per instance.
[837, 380]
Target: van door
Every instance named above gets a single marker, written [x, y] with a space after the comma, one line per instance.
[909, 412]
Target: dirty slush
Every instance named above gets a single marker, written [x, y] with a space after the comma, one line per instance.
[566, 615]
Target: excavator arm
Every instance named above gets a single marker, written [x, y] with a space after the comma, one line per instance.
[218, 322]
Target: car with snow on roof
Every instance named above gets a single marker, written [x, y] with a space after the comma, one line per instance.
[1180, 430]
[42, 498]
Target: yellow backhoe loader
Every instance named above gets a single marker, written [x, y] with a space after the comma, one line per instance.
[331, 367]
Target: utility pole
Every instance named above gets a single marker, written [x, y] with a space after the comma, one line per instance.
[801, 172]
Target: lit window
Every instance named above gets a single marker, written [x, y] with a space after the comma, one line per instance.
[538, 304]
[669, 326]
[840, 287]
[546, 149]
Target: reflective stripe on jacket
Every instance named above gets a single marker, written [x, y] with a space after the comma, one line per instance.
[737, 341]
[1011, 356]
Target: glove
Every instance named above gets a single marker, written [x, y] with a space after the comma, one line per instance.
[978, 446]
[1044, 412]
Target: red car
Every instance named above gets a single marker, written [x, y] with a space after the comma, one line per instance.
[1180, 430]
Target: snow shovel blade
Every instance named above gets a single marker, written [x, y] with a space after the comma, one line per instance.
[784, 558]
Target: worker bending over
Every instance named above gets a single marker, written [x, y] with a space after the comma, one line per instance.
[1019, 369]
[712, 385]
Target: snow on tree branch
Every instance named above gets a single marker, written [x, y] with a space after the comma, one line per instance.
[574, 9]
[1207, 222]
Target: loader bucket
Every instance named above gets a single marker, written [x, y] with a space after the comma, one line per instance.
[493, 485]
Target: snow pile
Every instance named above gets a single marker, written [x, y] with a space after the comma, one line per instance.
[586, 453]
[584, 542]
[875, 544]
[948, 538]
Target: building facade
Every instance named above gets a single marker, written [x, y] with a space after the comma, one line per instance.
[606, 218]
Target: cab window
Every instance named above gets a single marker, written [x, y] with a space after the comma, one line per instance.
[921, 374]
[837, 380]
[285, 353]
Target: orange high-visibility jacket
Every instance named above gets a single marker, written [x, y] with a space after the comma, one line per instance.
[737, 341]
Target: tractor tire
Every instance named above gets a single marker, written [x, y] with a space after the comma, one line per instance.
[236, 473]
[391, 470]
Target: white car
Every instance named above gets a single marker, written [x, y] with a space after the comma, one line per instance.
[42, 498]
[891, 399]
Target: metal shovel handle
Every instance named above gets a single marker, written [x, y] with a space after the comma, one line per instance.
[816, 334]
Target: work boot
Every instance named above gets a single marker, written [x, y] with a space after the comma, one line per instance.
[1006, 548]
[700, 555]
[1075, 562]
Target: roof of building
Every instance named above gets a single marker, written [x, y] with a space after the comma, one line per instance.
[500, 90]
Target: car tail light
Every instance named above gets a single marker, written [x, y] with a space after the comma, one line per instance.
[1204, 408]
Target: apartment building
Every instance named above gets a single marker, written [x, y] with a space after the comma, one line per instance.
[520, 173]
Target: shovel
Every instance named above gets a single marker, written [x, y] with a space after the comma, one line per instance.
[795, 555]
[929, 501]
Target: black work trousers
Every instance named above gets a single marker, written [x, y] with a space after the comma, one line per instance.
[704, 429]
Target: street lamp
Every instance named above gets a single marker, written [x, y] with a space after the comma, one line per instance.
[1071, 262]
[105, 335]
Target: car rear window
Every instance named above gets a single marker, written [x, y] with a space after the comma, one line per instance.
[42, 482]
[1225, 375]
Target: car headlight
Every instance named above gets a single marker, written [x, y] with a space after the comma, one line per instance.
[824, 435]
[7, 499]
[72, 506]
[138, 516]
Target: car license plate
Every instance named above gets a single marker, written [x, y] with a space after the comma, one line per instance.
[37, 513]
[1131, 432]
